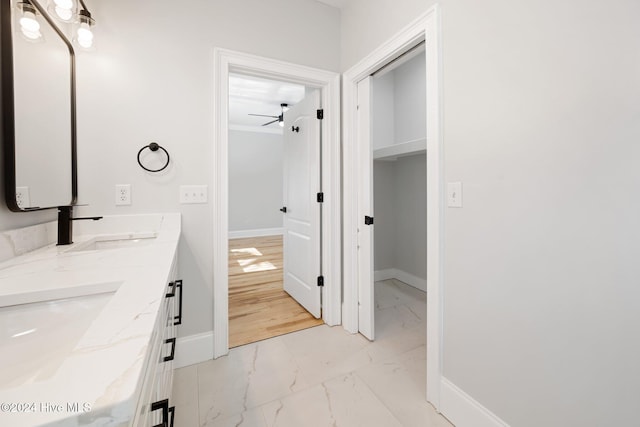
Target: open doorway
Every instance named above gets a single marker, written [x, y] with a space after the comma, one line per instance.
[358, 260]
[326, 122]
[399, 169]
[266, 261]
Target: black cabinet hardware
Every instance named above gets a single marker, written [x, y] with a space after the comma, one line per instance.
[172, 356]
[171, 294]
[164, 406]
[178, 319]
[283, 209]
[368, 220]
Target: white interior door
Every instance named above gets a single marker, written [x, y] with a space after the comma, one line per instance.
[366, 305]
[302, 244]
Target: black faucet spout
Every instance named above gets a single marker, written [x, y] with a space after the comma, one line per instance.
[65, 224]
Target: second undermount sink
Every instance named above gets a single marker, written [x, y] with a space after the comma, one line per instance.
[115, 241]
[37, 336]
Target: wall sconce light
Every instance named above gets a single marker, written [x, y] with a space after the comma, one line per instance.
[29, 25]
[63, 10]
[84, 32]
[74, 12]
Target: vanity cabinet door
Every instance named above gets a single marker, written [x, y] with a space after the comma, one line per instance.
[144, 415]
[154, 407]
[164, 412]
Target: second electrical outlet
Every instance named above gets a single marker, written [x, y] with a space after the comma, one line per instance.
[123, 194]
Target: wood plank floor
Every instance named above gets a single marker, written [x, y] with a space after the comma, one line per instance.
[258, 306]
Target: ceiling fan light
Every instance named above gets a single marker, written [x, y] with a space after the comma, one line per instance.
[285, 107]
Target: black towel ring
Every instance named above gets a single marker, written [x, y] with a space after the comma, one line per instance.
[153, 147]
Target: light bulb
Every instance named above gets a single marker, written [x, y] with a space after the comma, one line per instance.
[28, 23]
[63, 13]
[281, 124]
[62, 10]
[85, 36]
[31, 35]
[64, 4]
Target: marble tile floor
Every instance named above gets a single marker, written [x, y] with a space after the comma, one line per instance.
[319, 377]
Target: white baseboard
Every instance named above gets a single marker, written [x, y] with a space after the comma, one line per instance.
[256, 233]
[389, 273]
[194, 349]
[403, 276]
[462, 410]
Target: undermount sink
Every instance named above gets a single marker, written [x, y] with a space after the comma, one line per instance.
[36, 337]
[38, 292]
[115, 242]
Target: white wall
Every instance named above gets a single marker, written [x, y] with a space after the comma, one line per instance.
[410, 106]
[384, 200]
[400, 202]
[541, 293]
[255, 180]
[398, 100]
[383, 111]
[150, 78]
[411, 215]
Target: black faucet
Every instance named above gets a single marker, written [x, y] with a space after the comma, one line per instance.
[65, 224]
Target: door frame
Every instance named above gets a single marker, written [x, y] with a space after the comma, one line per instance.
[427, 28]
[226, 61]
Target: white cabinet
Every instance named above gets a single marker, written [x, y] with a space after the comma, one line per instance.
[154, 406]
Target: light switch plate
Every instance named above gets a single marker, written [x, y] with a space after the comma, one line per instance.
[454, 194]
[193, 194]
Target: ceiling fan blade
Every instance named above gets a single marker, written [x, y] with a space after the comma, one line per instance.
[263, 115]
[273, 121]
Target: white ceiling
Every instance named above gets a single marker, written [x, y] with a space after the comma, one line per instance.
[259, 96]
[335, 3]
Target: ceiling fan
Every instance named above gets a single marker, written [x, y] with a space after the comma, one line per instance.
[279, 118]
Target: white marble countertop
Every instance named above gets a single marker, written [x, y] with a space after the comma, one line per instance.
[57, 372]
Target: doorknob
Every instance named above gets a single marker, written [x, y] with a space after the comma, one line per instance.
[283, 209]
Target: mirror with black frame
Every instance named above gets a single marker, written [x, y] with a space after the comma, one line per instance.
[38, 102]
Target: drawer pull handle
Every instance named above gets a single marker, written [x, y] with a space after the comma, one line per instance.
[171, 356]
[164, 406]
[178, 319]
[171, 294]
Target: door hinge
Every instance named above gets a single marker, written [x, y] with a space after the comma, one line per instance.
[320, 114]
[320, 197]
[320, 280]
[368, 220]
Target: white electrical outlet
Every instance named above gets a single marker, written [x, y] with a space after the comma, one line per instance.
[22, 197]
[193, 194]
[123, 194]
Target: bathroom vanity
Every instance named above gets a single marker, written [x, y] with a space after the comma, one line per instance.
[88, 330]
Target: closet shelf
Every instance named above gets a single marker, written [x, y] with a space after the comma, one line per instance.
[392, 152]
